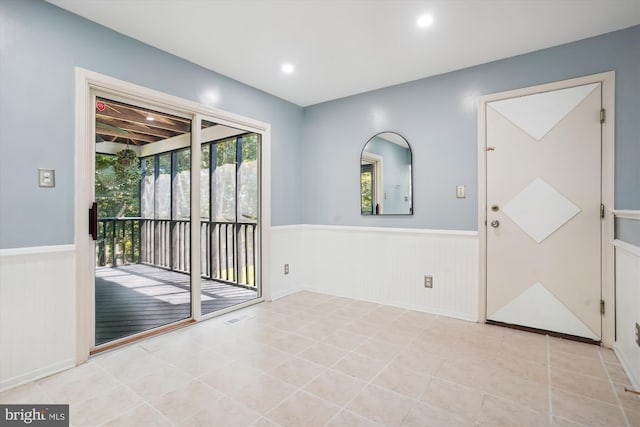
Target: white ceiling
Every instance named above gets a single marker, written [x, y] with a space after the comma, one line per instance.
[345, 47]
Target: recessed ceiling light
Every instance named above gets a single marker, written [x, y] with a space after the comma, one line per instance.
[149, 118]
[425, 21]
[287, 68]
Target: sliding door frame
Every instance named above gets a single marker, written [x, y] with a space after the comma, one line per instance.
[88, 84]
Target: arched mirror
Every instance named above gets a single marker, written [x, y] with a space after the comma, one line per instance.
[385, 176]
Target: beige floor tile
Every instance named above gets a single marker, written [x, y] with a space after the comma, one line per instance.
[633, 417]
[399, 378]
[530, 371]
[335, 387]
[232, 377]
[358, 366]
[323, 354]
[349, 419]
[422, 415]
[362, 327]
[463, 401]
[516, 388]
[497, 412]
[28, 393]
[627, 399]
[264, 422]
[419, 360]
[160, 382]
[123, 366]
[609, 356]
[297, 371]
[202, 362]
[466, 371]
[263, 393]
[104, 407]
[582, 385]
[224, 413]
[573, 347]
[267, 358]
[344, 339]
[141, 416]
[78, 384]
[363, 307]
[183, 347]
[292, 343]
[316, 331]
[377, 349]
[582, 365]
[563, 422]
[395, 336]
[585, 410]
[424, 370]
[381, 405]
[182, 403]
[303, 410]
[532, 352]
[616, 373]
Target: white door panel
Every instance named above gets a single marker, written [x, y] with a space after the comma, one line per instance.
[543, 182]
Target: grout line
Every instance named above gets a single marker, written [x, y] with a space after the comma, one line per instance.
[613, 388]
[549, 379]
[144, 400]
[367, 384]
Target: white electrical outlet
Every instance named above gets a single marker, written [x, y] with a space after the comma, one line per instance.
[286, 269]
[428, 281]
[46, 177]
[460, 192]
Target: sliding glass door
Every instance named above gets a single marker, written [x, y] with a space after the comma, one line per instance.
[146, 179]
[143, 200]
[229, 216]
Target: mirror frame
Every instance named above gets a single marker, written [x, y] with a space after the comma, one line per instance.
[362, 152]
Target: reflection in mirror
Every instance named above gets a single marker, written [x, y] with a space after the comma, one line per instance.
[385, 176]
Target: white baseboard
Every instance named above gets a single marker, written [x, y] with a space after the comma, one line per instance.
[36, 374]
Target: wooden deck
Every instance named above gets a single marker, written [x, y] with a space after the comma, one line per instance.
[137, 297]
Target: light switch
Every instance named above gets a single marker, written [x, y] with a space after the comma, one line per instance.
[47, 177]
[460, 192]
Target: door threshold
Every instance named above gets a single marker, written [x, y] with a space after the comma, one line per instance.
[140, 336]
[544, 332]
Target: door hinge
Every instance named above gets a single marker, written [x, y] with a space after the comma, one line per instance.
[601, 210]
[603, 115]
[602, 307]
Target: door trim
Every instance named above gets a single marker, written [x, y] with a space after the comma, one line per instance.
[86, 82]
[607, 80]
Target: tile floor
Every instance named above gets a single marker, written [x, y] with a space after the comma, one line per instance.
[316, 360]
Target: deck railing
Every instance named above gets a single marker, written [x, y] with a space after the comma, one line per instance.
[228, 250]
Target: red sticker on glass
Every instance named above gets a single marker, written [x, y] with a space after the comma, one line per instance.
[100, 105]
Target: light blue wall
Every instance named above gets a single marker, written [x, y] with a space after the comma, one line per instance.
[40, 46]
[438, 116]
[396, 172]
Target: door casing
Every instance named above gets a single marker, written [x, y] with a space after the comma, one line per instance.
[607, 226]
[88, 83]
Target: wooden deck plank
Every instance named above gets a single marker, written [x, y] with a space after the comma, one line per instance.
[137, 297]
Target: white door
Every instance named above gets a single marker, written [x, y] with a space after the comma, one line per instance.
[543, 211]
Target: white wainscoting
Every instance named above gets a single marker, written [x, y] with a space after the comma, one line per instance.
[628, 308]
[37, 313]
[383, 265]
[287, 247]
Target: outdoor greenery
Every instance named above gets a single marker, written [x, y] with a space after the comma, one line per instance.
[117, 186]
[366, 194]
